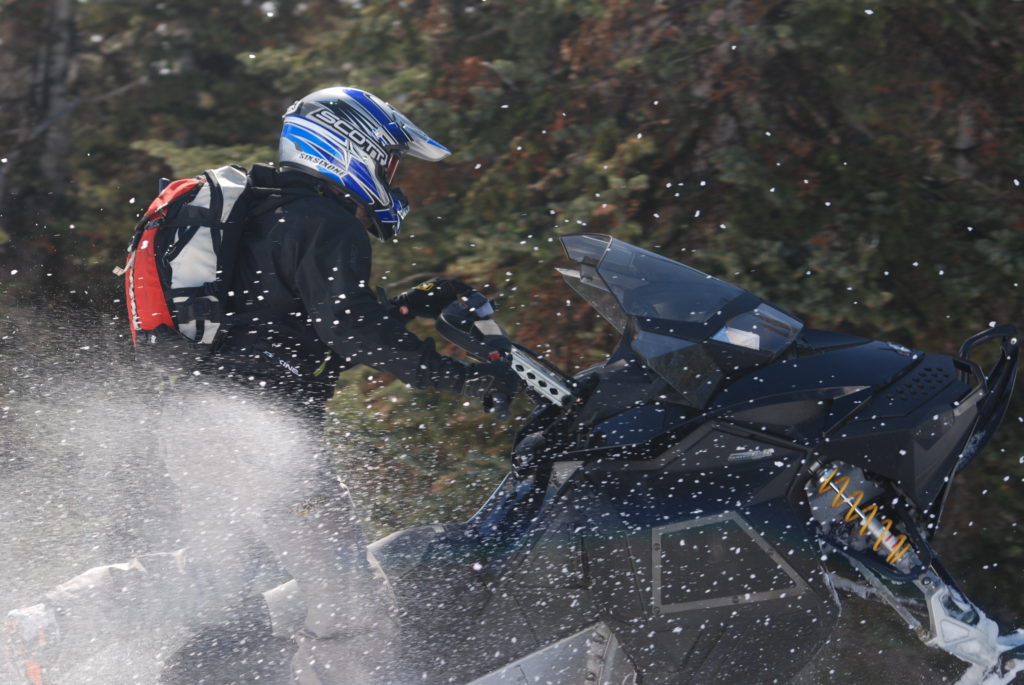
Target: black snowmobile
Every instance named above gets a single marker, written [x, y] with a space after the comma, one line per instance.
[668, 511]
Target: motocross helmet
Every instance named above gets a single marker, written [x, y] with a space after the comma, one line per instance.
[354, 140]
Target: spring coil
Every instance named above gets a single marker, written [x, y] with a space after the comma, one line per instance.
[867, 515]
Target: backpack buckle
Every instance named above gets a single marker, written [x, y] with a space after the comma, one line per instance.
[199, 309]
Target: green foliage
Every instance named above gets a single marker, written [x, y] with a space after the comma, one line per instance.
[413, 457]
[857, 163]
[188, 161]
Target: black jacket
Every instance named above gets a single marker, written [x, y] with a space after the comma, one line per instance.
[302, 308]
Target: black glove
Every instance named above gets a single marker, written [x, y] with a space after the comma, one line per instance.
[493, 382]
[429, 297]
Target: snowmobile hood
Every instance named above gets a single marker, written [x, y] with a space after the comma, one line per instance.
[691, 328]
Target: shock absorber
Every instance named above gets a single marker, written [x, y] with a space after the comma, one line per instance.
[893, 545]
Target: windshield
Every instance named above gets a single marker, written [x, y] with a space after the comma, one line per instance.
[646, 284]
[687, 326]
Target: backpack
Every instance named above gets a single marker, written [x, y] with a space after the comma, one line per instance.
[182, 256]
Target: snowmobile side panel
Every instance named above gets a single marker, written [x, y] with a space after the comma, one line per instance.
[681, 561]
[912, 432]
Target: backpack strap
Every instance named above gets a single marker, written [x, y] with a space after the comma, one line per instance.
[226, 186]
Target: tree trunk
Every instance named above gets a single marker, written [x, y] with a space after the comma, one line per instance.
[40, 44]
[57, 96]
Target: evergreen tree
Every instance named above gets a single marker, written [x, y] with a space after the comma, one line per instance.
[857, 164]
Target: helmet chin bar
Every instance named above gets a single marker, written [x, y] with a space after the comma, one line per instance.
[383, 229]
[388, 222]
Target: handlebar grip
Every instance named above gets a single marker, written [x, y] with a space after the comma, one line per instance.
[499, 405]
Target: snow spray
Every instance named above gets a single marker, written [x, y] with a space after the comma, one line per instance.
[163, 501]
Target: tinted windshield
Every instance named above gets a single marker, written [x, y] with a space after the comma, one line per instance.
[688, 326]
[648, 285]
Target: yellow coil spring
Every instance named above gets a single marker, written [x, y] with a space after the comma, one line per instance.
[867, 515]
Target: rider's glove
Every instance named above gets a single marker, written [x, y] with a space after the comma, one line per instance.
[429, 297]
[490, 381]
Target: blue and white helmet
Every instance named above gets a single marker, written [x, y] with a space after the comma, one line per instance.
[354, 140]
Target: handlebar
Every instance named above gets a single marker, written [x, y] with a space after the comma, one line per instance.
[467, 323]
[995, 387]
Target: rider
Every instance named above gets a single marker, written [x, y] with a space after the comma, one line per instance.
[303, 311]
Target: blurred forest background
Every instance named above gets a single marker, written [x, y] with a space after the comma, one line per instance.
[858, 162]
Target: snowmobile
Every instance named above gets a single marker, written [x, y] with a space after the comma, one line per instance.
[668, 512]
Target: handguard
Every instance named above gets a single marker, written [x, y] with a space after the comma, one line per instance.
[467, 323]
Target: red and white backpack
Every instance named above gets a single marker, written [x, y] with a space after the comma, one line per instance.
[181, 258]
